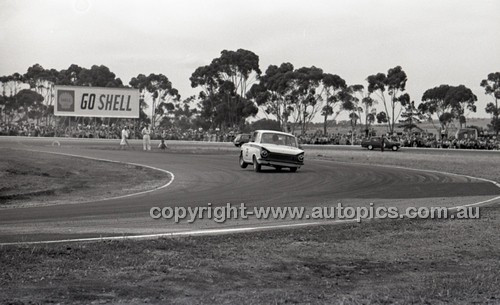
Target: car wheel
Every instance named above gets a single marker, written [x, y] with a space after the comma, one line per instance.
[293, 169]
[394, 147]
[256, 166]
[370, 147]
[278, 168]
[243, 164]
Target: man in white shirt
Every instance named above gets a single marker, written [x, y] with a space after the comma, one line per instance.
[146, 137]
[124, 141]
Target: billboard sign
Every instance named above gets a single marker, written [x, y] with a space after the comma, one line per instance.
[96, 102]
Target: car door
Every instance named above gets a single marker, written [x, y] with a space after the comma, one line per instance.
[247, 150]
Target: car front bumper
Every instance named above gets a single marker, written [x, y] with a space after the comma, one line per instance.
[274, 162]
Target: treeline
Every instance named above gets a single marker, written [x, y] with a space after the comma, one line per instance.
[233, 88]
[31, 95]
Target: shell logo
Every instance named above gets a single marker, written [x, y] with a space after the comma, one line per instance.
[66, 101]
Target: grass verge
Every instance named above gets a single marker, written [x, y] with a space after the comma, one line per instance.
[376, 262]
[33, 178]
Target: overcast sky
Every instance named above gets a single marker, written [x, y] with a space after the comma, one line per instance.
[436, 42]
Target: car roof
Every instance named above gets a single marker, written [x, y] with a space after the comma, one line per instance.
[274, 131]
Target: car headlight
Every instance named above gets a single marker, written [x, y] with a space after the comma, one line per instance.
[264, 153]
[300, 157]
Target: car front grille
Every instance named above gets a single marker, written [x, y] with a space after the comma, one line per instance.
[283, 158]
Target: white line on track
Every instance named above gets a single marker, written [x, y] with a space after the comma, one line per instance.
[414, 169]
[241, 229]
[175, 234]
[435, 172]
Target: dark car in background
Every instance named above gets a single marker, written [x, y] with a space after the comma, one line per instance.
[375, 142]
[241, 139]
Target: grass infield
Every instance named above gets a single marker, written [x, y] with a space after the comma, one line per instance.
[34, 178]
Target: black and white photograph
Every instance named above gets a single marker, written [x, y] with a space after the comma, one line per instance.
[249, 152]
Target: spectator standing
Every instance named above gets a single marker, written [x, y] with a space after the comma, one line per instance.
[124, 141]
[146, 137]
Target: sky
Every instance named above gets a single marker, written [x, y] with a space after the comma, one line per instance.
[435, 41]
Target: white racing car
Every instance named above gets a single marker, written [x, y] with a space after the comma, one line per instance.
[272, 148]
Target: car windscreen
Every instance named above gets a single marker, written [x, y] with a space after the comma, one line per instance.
[278, 139]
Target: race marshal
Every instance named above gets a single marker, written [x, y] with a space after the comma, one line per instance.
[96, 102]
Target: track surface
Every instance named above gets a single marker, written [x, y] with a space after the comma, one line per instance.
[217, 179]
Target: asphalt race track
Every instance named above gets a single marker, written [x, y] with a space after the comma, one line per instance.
[216, 178]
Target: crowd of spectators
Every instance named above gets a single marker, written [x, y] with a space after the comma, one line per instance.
[113, 131]
[488, 142]
[195, 135]
[481, 142]
[75, 131]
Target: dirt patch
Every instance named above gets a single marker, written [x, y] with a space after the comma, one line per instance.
[35, 178]
[376, 262]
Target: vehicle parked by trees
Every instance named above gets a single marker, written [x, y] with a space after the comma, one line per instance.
[376, 142]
